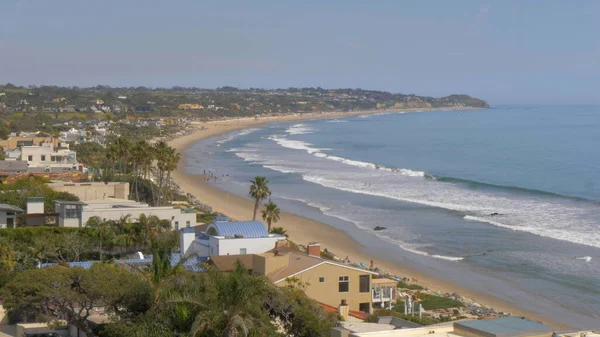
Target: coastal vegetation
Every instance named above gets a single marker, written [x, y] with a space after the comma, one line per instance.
[271, 214]
[162, 299]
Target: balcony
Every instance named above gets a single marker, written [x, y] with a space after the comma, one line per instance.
[381, 295]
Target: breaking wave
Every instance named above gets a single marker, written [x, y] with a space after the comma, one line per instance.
[299, 129]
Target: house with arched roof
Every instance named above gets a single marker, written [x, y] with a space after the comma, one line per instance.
[229, 238]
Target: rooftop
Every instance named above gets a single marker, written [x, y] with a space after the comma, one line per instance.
[505, 326]
[10, 208]
[246, 229]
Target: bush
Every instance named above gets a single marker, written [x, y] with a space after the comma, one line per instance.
[423, 321]
[404, 285]
[432, 302]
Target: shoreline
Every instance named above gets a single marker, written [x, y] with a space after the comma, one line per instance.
[303, 230]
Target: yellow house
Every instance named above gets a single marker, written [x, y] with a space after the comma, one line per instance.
[324, 281]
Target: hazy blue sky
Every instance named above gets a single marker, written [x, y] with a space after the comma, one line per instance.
[503, 51]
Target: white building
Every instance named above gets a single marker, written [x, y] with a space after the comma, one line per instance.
[47, 156]
[229, 238]
[8, 215]
[76, 213]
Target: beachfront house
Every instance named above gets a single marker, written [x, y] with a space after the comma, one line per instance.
[229, 238]
[327, 282]
[89, 191]
[77, 213]
[8, 215]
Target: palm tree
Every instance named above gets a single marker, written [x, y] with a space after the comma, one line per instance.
[101, 226]
[231, 303]
[271, 214]
[141, 156]
[279, 230]
[123, 151]
[259, 190]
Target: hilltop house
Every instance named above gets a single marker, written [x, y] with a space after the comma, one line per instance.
[77, 213]
[50, 158]
[229, 238]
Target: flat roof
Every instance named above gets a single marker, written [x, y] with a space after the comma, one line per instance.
[68, 202]
[505, 326]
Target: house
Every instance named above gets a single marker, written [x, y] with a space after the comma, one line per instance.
[13, 143]
[229, 238]
[35, 215]
[8, 215]
[89, 191]
[323, 280]
[498, 327]
[48, 156]
[77, 213]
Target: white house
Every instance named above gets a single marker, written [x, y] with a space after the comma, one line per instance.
[8, 215]
[76, 213]
[229, 238]
[47, 156]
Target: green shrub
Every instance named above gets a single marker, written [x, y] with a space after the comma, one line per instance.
[432, 302]
[404, 285]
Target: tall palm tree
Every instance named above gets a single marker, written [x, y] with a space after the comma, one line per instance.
[161, 151]
[259, 190]
[123, 151]
[102, 227]
[271, 214]
[141, 156]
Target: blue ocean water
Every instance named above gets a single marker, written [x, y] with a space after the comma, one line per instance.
[505, 200]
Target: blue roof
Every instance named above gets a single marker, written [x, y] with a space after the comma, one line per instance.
[248, 229]
[188, 230]
[191, 264]
[219, 218]
[505, 326]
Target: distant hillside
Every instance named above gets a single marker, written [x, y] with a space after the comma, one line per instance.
[52, 104]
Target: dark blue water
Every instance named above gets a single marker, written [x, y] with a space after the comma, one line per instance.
[434, 179]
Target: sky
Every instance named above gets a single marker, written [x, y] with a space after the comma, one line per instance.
[506, 52]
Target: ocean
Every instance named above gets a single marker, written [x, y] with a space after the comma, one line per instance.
[505, 201]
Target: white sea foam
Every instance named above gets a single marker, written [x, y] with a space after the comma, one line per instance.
[233, 136]
[301, 145]
[585, 258]
[299, 129]
[337, 121]
[412, 248]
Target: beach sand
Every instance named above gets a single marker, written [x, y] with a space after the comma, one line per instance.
[303, 230]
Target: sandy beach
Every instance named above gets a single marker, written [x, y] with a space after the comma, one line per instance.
[303, 230]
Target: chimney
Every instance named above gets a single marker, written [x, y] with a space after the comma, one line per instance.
[313, 249]
[344, 310]
[186, 238]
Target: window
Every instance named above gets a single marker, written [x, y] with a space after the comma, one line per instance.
[365, 307]
[321, 279]
[43, 157]
[29, 158]
[242, 251]
[71, 212]
[364, 283]
[187, 224]
[344, 284]
[176, 224]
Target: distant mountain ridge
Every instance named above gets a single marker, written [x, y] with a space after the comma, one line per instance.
[210, 103]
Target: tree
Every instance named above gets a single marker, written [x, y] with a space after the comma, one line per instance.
[103, 228]
[271, 214]
[71, 294]
[229, 304]
[259, 190]
[279, 230]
